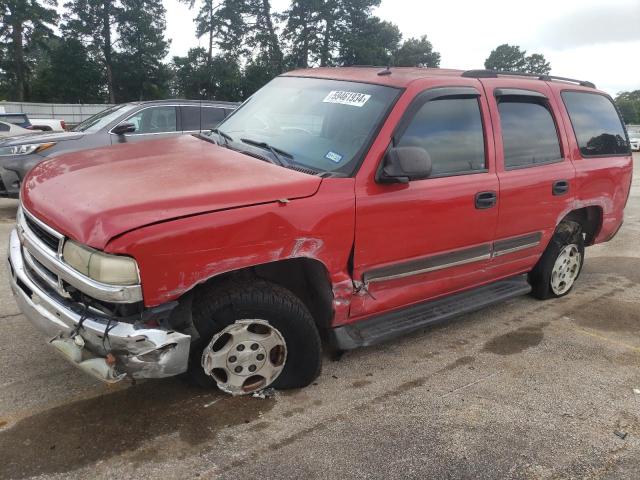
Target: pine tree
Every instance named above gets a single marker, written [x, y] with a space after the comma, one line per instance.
[141, 72]
[92, 21]
[23, 24]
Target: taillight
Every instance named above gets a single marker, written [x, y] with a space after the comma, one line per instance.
[63, 125]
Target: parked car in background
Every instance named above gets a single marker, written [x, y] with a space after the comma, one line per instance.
[11, 130]
[48, 124]
[634, 138]
[357, 203]
[19, 119]
[124, 123]
[41, 124]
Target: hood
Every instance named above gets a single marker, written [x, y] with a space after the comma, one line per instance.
[94, 195]
[35, 137]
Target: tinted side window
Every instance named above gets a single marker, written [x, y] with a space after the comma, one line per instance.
[211, 117]
[15, 119]
[154, 120]
[4, 127]
[190, 116]
[450, 130]
[595, 121]
[529, 133]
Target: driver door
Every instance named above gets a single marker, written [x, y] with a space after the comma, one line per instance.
[151, 123]
[430, 237]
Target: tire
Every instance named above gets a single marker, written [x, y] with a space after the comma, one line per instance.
[568, 242]
[223, 306]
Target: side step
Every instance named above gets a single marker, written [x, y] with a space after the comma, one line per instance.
[399, 322]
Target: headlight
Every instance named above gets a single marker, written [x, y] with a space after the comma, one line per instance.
[25, 149]
[99, 266]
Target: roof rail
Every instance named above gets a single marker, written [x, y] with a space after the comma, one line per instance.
[546, 78]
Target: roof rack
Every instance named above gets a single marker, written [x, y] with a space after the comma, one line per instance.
[546, 78]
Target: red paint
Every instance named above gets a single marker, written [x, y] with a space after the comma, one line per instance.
[112, 190]
[188, 211]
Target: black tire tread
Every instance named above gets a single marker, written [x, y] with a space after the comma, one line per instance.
[540, 277]
[239, 295]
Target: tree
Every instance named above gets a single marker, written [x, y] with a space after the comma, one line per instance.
[66, 73]
[263, 36]
[92, 21]
[629, 105]
[536, 63]
[510, 58]
[196, 78]
[372, 43]
[141, 74]
[417, 52]
[301, 31]
[23, 24]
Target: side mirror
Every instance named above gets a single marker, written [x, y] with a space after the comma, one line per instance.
[123, 128]
[402, 164]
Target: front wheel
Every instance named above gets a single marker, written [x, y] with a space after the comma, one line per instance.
[254, 335]
[561, 263]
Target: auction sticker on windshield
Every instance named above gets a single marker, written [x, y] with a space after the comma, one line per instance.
[353, 99]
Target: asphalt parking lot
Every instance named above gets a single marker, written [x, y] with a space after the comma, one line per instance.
[525, 389]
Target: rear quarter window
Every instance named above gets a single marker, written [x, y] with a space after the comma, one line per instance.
[596, 123]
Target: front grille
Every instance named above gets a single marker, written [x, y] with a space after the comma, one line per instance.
[45, 237]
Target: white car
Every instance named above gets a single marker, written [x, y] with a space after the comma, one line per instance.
[634, 138]
[47, 124]
[10, 130]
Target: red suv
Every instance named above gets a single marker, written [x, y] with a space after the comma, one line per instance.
[351, 203]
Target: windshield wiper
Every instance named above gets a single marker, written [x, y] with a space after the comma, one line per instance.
[227, 138]
[278, 153]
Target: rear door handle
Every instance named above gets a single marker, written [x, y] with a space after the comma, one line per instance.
[486, 200]
[560, 187]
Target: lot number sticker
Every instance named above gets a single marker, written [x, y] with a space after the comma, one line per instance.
[333, 156]
[353, 99]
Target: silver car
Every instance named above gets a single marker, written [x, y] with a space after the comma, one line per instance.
[124, 123]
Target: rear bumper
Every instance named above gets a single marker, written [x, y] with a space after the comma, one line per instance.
[139, 352]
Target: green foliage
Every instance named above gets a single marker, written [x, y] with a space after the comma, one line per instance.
[68, 74]
[140, 73]
[197, 78]
[629, 105]
[114, 50]
[510, 58]
[24, 25]
[417, 52]
[536, 63]
[92, 21]
[372, 42]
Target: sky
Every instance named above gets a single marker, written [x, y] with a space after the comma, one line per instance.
[595, 40]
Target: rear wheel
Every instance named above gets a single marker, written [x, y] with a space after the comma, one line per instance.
[254, 335]
[561, 263]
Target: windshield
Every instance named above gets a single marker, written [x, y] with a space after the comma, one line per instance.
[103, 118]
[321, 124]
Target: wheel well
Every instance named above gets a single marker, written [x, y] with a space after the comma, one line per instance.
[590, 219]
[306, 278]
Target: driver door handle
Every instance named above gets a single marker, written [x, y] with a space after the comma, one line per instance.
[486, 200]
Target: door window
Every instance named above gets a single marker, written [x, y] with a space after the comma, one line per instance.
[450, 130]
[190, 116]
[211, 117]
[154, 120]
[529, 134]
[596, 123]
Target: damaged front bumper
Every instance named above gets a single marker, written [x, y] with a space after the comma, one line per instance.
[108, 350]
